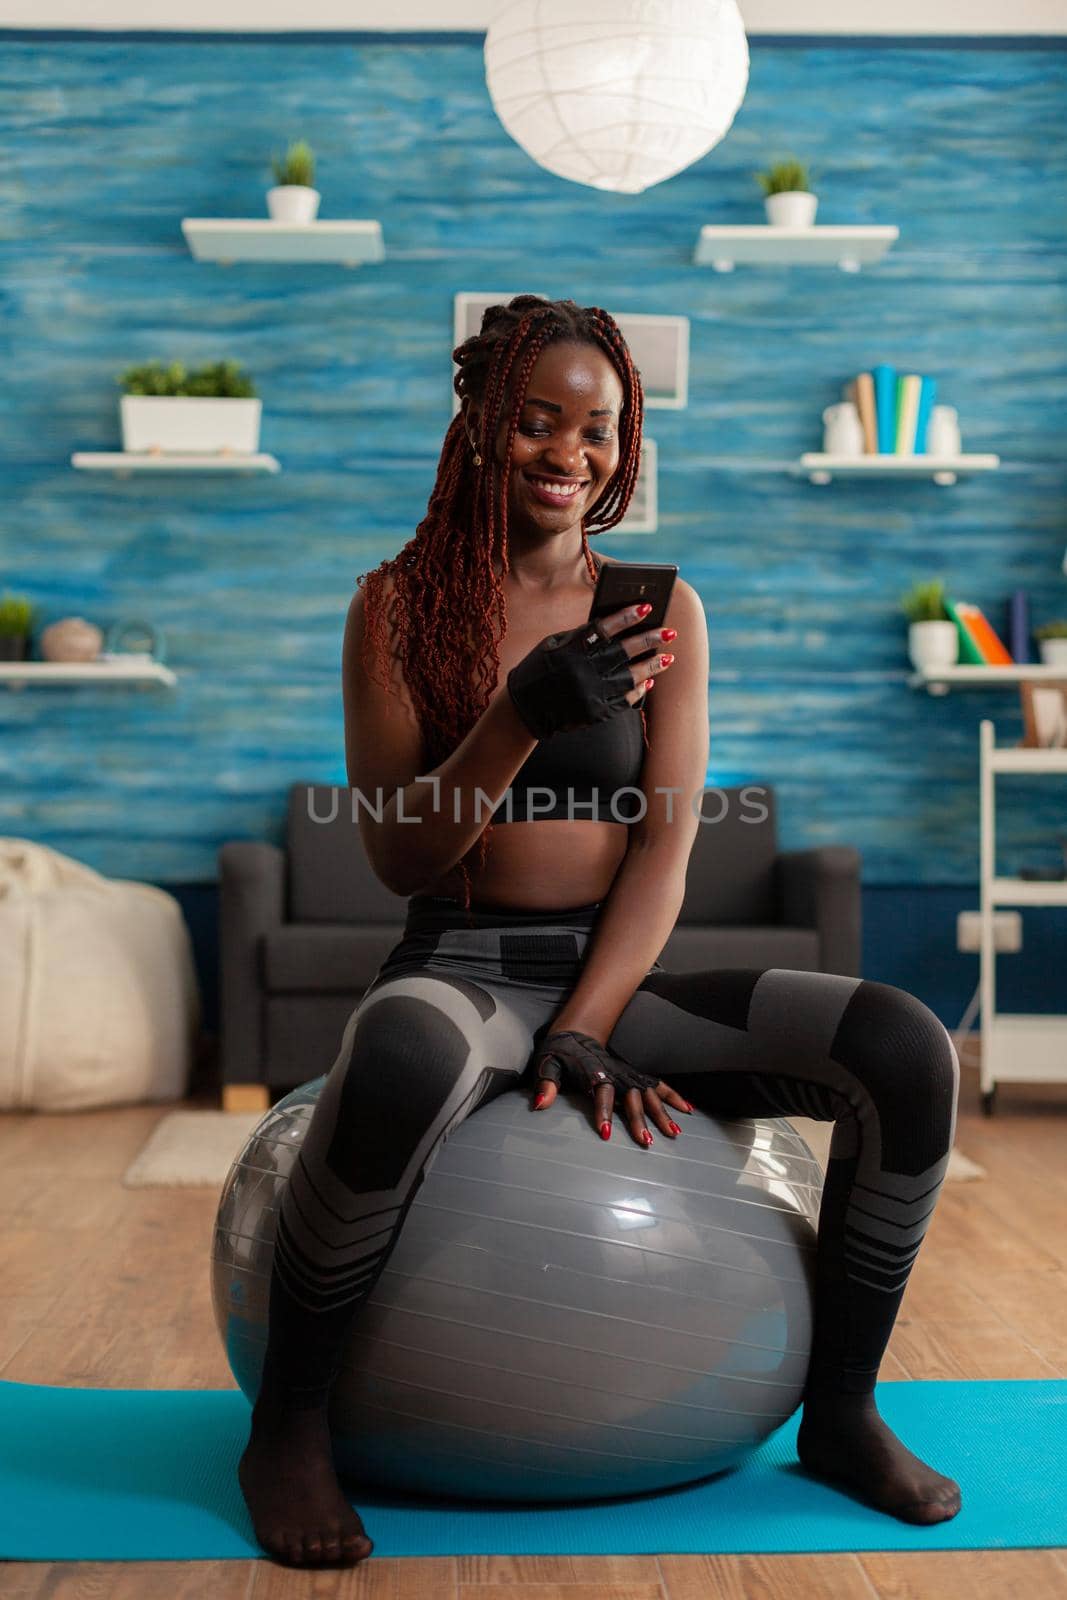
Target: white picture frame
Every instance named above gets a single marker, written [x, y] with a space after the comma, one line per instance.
[659, 345]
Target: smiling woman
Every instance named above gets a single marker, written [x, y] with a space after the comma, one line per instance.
[543, 455]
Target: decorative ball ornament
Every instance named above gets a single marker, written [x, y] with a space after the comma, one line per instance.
[616, 94]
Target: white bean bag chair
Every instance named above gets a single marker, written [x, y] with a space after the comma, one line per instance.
[99, 1004]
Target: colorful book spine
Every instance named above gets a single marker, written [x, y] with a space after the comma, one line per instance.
[908, 389]
[970, 655]
[927, 396]
[864, 390]
[1018, 629]
[884, 378]
[994, 651]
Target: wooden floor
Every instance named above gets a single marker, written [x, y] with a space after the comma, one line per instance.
[108, 1287]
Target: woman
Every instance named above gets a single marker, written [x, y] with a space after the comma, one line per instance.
[531, 940]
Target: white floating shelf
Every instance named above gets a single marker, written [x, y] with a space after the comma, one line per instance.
[820, 468]
[226, 239]
[122, 667]
[123, 462]
[1029, 891]
[939, 680]
[759, 244]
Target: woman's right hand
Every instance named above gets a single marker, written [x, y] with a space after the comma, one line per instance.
[585, 675]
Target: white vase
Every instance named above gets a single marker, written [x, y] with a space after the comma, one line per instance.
[293, 202]
[932, 645]
[190, 423]
[943, 432]
[842, 433]
[792, 208]
[1053, 652]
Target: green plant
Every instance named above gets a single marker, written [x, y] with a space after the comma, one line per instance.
[16, 615]
[925, 601]
[218, 379]
[296, 166]
[783, 177]
[1051, 630]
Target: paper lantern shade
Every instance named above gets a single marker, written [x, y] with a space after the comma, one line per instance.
[616, 94]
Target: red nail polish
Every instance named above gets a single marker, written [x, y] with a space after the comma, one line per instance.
[674, 1126]
[539, 1102]
[644, 609]
[646, 1138]
[669, 633]
[665, 661]
[688, 1107]
[605, 1130]
[649, 682]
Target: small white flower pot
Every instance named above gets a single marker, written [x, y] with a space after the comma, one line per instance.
[190, 423]
[793, 208]
[932, 645]
[1053, 652]
[293, 202]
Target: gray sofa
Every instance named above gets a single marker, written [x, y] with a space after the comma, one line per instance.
[304, 927]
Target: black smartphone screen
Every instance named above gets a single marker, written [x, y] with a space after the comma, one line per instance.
[626, 583]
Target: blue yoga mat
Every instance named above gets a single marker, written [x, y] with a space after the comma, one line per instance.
[151, 1474]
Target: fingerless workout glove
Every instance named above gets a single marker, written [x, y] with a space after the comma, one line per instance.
[570, 680]
[586, 1062]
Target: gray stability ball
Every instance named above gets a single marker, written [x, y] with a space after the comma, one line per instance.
[562, 1317]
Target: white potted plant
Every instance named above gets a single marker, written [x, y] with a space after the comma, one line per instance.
[1052, 642]
[788, 199]
[933, 639]
[294, 199]
[167, 409]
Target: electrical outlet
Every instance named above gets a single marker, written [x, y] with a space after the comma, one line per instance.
[1007, 931]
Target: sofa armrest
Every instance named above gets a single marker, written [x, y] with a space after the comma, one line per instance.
[820, 888]
[251, 903]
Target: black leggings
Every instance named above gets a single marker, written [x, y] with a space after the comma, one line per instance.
[449, 1022]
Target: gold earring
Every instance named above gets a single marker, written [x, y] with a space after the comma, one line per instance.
[477, 457]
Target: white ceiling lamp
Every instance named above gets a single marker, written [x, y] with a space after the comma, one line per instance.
[616, 94]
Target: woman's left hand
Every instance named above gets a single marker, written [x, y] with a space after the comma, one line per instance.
[590, 1065]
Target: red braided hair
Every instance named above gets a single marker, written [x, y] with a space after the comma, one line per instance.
[448, 596]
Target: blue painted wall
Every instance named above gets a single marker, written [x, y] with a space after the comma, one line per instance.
[111, 141]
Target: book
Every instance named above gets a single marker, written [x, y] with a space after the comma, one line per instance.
[884, 378]
[1018, 629]
[908, 387]
[864, 391]
[927, 396]
[994, 651]
[970, 655]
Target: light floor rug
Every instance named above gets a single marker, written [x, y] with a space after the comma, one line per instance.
[189, 1148]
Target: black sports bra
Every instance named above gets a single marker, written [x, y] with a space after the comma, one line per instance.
[581, 774]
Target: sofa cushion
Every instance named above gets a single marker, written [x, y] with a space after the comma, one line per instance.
[730, 875]
[305, 958]
[330, 877]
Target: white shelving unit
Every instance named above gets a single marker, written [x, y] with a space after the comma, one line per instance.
[1017, 1047]
[230, 239]
[128, 667]
[939, 680]
[821, 468]
[124, 462]
[760, 244]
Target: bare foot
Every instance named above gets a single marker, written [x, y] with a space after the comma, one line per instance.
[850, 1443]
[290, 1485]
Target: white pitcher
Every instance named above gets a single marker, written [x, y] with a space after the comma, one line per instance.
[842, 430]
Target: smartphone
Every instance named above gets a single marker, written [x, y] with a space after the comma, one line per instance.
[626, 583]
